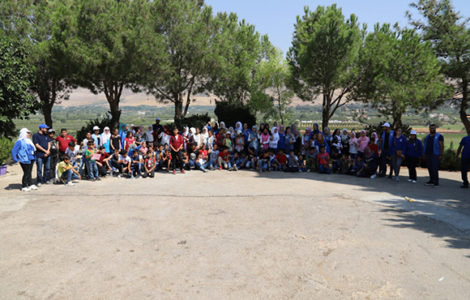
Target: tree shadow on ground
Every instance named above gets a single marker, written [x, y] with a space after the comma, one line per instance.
[442, 211]
[13, 186]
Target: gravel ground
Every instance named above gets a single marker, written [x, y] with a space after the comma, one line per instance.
[235, 235]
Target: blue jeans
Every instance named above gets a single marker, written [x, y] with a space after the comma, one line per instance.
[92, 169]
[43, 165]
[432, 162]
[324, 169]
[137, 169]
[68, 176]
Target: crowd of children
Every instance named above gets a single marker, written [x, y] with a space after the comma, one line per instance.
[133, 151]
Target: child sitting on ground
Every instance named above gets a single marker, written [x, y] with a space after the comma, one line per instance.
[292, 162]
[280, 161]
[137, 164]
[150, 165]
[224, 159]
[323, 161]
[67, 172]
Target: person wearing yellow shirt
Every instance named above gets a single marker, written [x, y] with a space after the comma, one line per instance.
[66, 171]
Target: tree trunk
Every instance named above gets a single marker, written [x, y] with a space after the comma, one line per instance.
[179, 115]
[397, 121]
[464, 107]
[113, 91]
[46, 109]
[325, 110]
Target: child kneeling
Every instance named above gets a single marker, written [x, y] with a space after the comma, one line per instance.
[67, 173]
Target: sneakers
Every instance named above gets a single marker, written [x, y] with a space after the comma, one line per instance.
[429, 183]
[413, 181]
[182, 171]
[75, 181]
[39, 184]
[464, 186]
[174, 172]
[70, 184]
[410, 180]
[33, 187]
[396, 178]
[26, 189]
[373, 176]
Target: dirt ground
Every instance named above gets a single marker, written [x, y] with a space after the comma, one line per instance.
[235, 235]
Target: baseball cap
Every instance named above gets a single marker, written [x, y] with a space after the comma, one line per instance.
[43, 126]
[96, 128]
[51, 130]
[413, 132]
[157, 119]
[386, 124]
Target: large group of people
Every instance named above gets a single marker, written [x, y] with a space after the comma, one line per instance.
[135, 151]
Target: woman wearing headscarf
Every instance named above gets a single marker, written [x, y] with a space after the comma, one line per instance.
[106, 139]
[238, 127]
[345, 141]
[205, 135]
[23, 152]
[274, 140]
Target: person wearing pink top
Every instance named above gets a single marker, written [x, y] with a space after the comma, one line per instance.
[362, 141]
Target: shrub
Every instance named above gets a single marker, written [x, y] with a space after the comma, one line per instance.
[232, 113]
[106, 121]
[196, 121]
[5, 150]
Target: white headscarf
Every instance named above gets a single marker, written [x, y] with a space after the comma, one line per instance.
[238, 126]
[222, 124]
[24, 136]
[105, 137]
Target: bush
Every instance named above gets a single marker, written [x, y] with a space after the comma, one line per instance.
[5, 150]
[106, 121]
[196, 121]
[379, 129]
[232, 113]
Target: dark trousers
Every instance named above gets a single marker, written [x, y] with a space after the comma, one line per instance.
[465, 167]
[150, 174]
[176, 158]
[27, 170]
[432, 162]
[53, 164]
[383, 164]
[412, 163]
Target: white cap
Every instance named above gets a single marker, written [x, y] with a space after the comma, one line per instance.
[386, 124]
[96, 128]
[413, 132]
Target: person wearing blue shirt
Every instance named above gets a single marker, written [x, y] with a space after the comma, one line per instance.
[23, 152]
[414, 150]
[385, 144]
[397, 152]
[465, 160]
[433, 149]
[42, 143]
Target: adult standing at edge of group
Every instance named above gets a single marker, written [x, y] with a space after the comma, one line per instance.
[414, 150]
[54, 156]
[41, 142]
[176, 146]
[385, 143]
[465, 160]
[64, 140]
[157, 129]
[23, 152]
[433, 149]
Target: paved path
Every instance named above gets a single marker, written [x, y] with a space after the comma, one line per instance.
[235, 235]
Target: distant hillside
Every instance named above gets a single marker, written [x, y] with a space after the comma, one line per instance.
[81, 97]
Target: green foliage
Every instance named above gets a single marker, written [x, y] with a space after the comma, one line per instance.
[16, 102]
[196, 121]
[406, 129]
[231, 113]
[101, 123]
[397, 72]
[5, 149]
[323, 57]
[449, 34]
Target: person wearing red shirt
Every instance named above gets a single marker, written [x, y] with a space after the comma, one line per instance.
[64, 139]
[176, 146]
[280, 161]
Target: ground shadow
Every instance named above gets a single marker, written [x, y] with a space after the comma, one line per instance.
[429, 207]
[13, 186]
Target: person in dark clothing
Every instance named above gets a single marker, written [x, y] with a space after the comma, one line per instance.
[176, 146]
[433, 149]
[465, 160]
[54, 149]
[385, 144]
[414, 150]
[42, 143]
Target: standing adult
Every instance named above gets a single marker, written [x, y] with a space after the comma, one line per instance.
[385, 143]
[414, 150]
[54, 154]
[465, 160]
[157, 129]
[433, 149]
[397, 152]
[41, 141]
[64, 140]
[23, 152]
[176, 146]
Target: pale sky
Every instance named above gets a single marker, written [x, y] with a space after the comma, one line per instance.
[277, 17]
